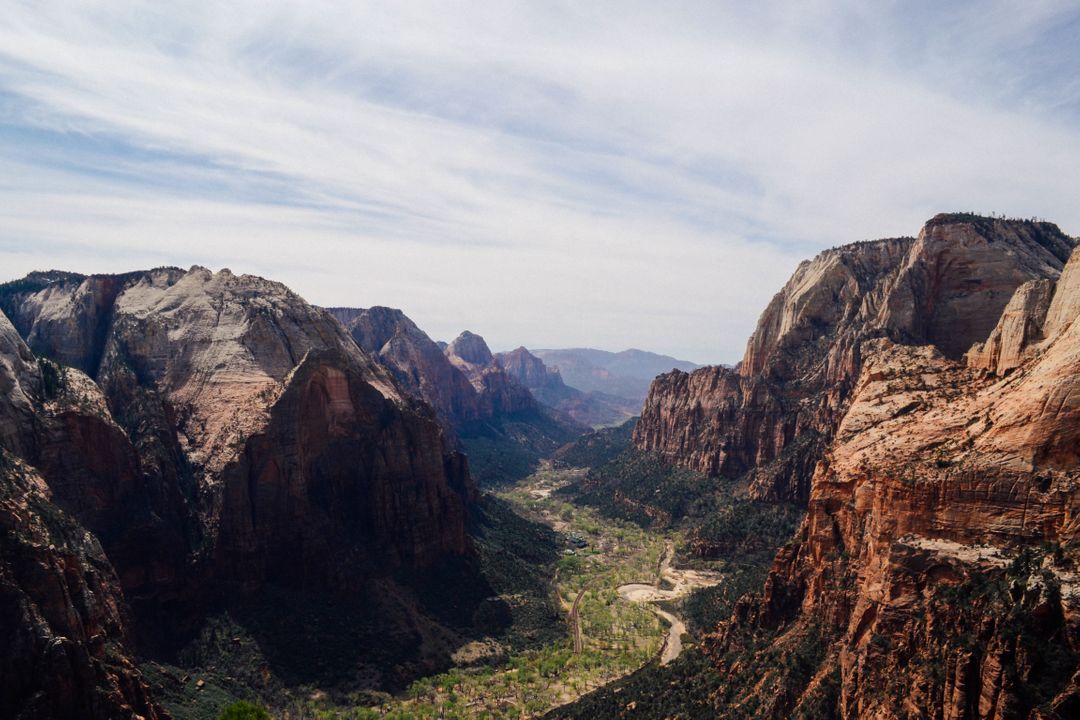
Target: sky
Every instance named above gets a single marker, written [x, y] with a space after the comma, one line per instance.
[553, 174]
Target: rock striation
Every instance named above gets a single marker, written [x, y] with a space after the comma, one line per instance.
[216, 433]
[769, 420]
[936, 573]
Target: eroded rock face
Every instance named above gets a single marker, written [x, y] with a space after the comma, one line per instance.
[19, 383]
[227, 431]
[363, 479]
[1020, 326]
[480, 404]
[499, 392]
[769, 420]
[469, 351]
[530, 370]
[935, 574]
[66, 650]
[417, 362]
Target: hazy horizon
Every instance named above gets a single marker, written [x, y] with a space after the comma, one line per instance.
[609, 175]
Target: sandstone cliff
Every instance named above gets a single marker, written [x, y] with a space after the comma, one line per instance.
[217, 433]
[500, 393]
[417, 362]
[769, 420]
[936, 573]
[67, 645]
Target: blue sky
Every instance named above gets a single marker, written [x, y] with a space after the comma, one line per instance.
[610, 174]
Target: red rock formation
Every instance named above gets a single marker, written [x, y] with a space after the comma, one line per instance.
[66, 647]
[936, 573]
[233, 431]
[769, 419]
[333, 468]
[66, 640]
[417, 362]
[484, 408]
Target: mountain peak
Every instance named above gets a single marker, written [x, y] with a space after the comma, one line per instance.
[470, 348]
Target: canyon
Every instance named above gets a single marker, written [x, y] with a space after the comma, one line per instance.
[211, 435]
[877, 506]
[919, 396]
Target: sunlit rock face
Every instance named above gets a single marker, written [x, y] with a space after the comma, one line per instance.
[215, 432]
[770, 419]
[935, 574]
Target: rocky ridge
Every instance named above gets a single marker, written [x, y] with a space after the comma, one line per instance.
[484, 407]
[768, 420]
[216, 433]
[937, 564]
[546, 384]
[937, 439]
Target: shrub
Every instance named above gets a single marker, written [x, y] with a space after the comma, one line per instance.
[244, 710]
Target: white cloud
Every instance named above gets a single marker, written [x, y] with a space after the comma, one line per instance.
[605, 174]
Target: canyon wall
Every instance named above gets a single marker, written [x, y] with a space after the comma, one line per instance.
[937, 573]
[214, 433]
[769, 420]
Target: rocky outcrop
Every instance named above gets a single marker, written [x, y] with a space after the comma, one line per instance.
[531, 372]
[67, 647]
[416, 361]
[936, 573]
[19, 383]
[499, 393]
[470, 352]
[1020, 325]
[222, 433]
[768, 420]
[332, 469]
[484, 408]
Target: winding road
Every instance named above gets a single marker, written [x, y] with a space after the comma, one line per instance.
[682, 581]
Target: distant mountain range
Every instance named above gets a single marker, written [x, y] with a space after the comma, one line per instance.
[625, 374]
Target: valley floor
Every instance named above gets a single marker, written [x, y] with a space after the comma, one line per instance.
[611, 581]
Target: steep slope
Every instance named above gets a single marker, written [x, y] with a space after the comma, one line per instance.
[203, 370]
[488, 411]
[514, 431]
[500, 394]
[66, 647]
[416, 361]
[770, 419]
[228, 442]
[937, 572]
[66, 631]
[938, 562]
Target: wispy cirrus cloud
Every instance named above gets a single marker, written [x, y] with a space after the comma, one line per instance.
[604, 174]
